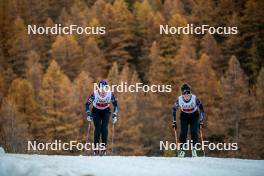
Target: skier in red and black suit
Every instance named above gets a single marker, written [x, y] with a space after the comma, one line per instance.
[101, 100]
[191, 113]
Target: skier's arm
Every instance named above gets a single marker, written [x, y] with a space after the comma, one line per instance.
[174, 109]
[115, 104]
[201, 109]
[89, 101]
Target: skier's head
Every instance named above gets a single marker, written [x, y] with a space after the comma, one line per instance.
[103, 86]
[186, 91]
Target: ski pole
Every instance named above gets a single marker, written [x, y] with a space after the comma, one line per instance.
[113, 135]
[88, 132]
[201, 135]
[176, 138]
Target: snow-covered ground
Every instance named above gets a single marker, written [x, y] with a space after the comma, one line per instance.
[35, 165]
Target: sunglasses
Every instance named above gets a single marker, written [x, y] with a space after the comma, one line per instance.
[186, 92]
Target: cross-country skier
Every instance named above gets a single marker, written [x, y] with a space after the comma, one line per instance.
[101, 100]
[191, 113]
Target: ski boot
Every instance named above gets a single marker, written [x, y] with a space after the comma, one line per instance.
[96, 152]
[103, 152]
[181, 153]
[194, 153]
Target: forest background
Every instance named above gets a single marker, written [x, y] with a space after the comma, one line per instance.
[45, 79]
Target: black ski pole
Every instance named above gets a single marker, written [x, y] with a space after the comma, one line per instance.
[113, 136]
[201, 135]
[88, 132]
[176, 138]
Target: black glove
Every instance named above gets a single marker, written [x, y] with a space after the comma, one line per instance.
[174, 125]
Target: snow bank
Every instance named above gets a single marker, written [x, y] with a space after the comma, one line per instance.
[38, 165]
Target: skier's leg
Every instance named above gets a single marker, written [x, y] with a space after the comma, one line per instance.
[183, 133]
[104, 128]
[97, 126]
[184, 128]
[194, 131]
[194, 127]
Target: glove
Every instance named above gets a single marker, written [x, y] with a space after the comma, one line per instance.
[89, 116]
[174, 125]
[201, 121]
[114, 118]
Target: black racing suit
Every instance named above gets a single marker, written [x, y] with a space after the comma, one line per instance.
[101, 119]
[191, 119]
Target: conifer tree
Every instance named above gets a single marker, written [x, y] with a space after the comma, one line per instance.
[119, 36]
[113, 74]
[94, 60]
[2, 88]
[209, 92]
[259, 91]
[18, 46]
[172, 7]
[235, 99]
[170, 44]
[58, 120]
[83, 87]
[14, 132]
[157, 68]
[128, 126]
[47, 43]
[21, 96]
[211, 48]
[34, 71]
[143, 15]
[67, 52]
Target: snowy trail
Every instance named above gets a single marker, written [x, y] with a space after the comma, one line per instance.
[38, 165]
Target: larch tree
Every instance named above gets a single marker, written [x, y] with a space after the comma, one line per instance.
[172, 7]
[157, 67]
[34, 71]
[143, 16]
[21, 94]
[83, 87]
[170, 44]
[58, 120]
[203, 12]
[2, 88]
[209, 92]
[47, 42]
[247, 45]
[64, 19]
[236, 100]
[256, 137]
[259, 90]
[118, 40]
[55, 7]
[14, 132]
[66, 51]
[210, 47]
[183, 67]
[128, 126]
[19, 46]
[113, 75]
[93, 61]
